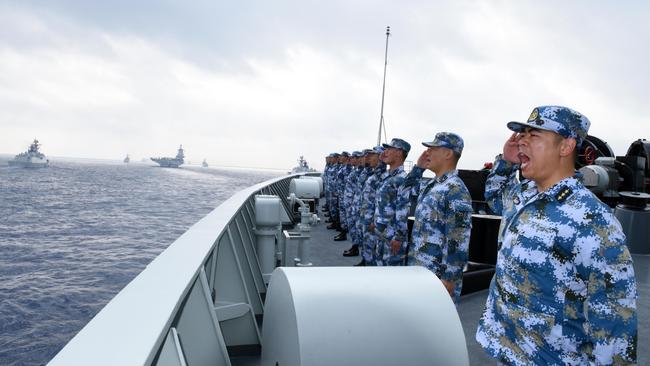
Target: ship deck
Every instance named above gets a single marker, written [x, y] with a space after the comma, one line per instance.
[327, 252]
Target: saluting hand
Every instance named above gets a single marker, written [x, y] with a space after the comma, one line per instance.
[511, 149]
[422, 160]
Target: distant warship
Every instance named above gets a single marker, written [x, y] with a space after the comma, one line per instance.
[32, 158]
[302, 167]
[171, 162]
[127, 159]
[204, 164]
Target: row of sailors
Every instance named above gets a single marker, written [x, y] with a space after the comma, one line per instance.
[564, 290]
[371, 204]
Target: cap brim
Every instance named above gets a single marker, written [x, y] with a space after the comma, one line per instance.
[386, 146]
[430, 144]
[521, 126]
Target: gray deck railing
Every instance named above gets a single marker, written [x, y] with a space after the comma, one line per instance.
[195, 301]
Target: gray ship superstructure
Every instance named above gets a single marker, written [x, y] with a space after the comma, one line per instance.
[172, 162]
[32, 158]
[302, 167]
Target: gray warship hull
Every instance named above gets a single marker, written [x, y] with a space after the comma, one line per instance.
[168, 162]
[29, 163]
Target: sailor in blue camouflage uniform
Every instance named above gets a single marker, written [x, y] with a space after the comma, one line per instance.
[334, 192]
[564, 291]
[364, 171]
[391, 231]
[349, 189]
[341, 179]
[353, 211]
[367, 206]
[443, 214]
[327, 175]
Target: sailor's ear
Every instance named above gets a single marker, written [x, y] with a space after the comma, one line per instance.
[567, 146]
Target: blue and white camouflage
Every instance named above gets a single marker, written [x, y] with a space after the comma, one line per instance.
[341, 180]
[364, 173]
[448, 140]
[564, 292]
[442, 227]
[349, 190]
[367, 213]
[561, 120]
[390, 218]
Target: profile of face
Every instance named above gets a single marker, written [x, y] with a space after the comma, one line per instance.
[435, 157]
[391, 155]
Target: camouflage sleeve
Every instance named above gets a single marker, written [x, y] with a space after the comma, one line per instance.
[604, 261]
[402, 208]
[501, 178]
[385, 210]
[411, 185]
[458, 226]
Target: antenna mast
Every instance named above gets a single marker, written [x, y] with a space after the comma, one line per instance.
[382, 126]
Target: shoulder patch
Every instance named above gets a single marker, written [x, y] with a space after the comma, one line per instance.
[563, 194]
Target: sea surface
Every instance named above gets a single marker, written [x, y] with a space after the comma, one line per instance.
[73, 234]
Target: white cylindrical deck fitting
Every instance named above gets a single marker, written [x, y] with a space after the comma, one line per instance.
[304, 253]
[317, 179]
[267, 210]
[304, 188]
[360, 316]
[268, 223]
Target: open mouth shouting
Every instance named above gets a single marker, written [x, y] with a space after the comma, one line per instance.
[524, 160]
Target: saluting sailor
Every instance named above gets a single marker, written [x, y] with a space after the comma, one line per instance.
[564, 291]
[443, 215]
[391, 231]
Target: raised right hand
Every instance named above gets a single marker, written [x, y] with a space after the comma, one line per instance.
[422, 160]
[511, 149]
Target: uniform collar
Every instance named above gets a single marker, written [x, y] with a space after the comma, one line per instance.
[397, 171]
[446, 176]
[562, 190]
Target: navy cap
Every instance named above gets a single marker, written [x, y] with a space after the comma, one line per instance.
[561, 120]
[378, 149]
[449, 140]
[398, 144]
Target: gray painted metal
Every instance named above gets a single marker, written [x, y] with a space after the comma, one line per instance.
[636, 226]
[172, 353]
[189, 277]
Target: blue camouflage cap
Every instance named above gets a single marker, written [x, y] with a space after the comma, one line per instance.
[449, 140]
[357, 154]
[378, 149]
[345, 153]
[398, 144]
[561, 120]
[368, 151]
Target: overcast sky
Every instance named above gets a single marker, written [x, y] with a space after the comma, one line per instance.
[258, 83]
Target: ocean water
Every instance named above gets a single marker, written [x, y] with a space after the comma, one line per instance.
[74, 234]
